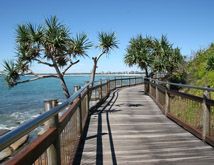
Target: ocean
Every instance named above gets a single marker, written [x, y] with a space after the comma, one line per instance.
[26, 101]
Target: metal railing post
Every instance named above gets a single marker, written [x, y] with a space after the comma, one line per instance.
[121, 81]
[53, 152]
[76, 88]
[129, 81]
[135, 81]
[206, 115]
[115, 83]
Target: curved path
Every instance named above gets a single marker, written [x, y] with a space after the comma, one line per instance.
[129, 128]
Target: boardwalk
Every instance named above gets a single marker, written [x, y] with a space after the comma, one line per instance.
[130, 129]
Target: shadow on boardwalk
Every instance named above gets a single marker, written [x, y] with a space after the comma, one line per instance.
[105, 108]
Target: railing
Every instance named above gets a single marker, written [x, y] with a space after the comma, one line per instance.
[194, 113]
[63, 126]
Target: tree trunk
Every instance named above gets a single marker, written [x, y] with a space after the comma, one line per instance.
[146, 70]
[61, 77]
[93, 73]
[64, 87]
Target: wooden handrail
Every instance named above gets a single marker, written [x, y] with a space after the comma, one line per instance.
[185, 95]
[179, 85]
[205, 102]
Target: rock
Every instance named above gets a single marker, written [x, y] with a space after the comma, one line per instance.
[9, 150]
[5, 153]
[19, 142]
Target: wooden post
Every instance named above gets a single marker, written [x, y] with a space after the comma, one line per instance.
[100, 90]
[150, 87]
[129, 81]
[79, 116]
[156, 91]
[76, 88]
[135, 81]
[146, 86]
[86, 82]
[83, 110]
[53, 152]
[115, 82]
[167, 101]
[121, 81]
[87, 100]
[107, 87]
[206, 115]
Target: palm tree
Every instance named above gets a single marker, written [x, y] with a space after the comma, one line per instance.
[154, 55]
[161, 51]
[107, 42]
[50, 45]
[139, 53]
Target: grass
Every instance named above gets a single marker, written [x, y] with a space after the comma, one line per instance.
[188, 111]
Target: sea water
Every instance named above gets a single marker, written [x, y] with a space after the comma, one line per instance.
[26, 100]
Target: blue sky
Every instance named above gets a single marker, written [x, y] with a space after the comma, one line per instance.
[187, 23]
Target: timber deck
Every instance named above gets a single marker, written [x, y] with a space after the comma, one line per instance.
[129, 128]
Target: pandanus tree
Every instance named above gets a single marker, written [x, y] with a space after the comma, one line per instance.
[155, 55]
[107, 42]
[139, 53]
[166, 58]
[49, 45]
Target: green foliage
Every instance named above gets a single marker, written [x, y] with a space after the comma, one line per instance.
[199, 69]
[177, 77]
[188, 112]
[210, 63]
[167, 58]
[139, 53]
[155, 55]
[107, 41]
[11, 73]
[80, 45]
[49, 44]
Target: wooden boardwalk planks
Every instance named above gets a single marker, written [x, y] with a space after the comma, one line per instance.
[129, 128]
